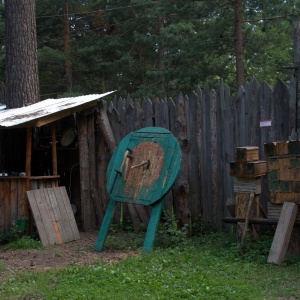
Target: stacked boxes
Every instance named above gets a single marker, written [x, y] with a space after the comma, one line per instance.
[283, 159]
[247, 170]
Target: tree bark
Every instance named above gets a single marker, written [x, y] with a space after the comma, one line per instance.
[238, 35]
[69, 73]
[22, 82]
[161, 66]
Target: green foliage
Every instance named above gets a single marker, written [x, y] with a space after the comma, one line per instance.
[120, 45]
[12, 235]
[15, 240]
[206, 267]
[25, 242]
[169, 234]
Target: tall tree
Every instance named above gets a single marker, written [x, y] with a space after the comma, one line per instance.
[238, 36]
[121, 45]
[22, 81]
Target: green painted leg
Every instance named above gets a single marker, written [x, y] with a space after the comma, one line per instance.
[105, 225]
[152, 226]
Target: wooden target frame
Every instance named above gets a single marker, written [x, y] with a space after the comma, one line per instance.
[141, 171]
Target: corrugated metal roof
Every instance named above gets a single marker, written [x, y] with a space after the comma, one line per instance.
[47, 111]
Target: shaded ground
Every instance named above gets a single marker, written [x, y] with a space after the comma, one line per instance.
[78, 253]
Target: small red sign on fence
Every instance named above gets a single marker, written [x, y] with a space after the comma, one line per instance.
[265, 123]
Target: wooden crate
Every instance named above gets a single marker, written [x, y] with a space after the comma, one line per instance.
[282, 148]
[244, 154]
[248, 169]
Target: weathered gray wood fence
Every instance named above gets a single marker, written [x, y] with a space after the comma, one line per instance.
[209, 124]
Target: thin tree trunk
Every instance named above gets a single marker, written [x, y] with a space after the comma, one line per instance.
[238, 34]
[69, 73]
[161, 52]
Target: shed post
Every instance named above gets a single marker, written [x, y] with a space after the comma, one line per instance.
[54, 152]
[28, 156]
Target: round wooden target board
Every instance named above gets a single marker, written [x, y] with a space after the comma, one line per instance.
[144, 166]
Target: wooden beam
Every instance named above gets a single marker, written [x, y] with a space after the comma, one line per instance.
[54, 152]
[28, 156]
[283, 233]
[105, 127]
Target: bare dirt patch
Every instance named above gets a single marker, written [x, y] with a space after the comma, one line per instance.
[76, 253]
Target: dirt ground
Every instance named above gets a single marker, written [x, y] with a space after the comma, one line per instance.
[75, 253]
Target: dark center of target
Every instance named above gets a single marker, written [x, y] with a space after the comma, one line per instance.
[145, 165]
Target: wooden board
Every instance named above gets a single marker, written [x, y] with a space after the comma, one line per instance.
[243, 154]
[53, 215]
[280, 197]
[274, 211]
[242, 201]
[248, 169]
[283, 233]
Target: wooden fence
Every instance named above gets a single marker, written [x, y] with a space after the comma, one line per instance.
[208, 124]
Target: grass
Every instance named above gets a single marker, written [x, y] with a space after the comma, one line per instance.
[25, 242]
[205, 267]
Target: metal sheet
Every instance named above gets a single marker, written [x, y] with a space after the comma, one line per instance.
[17, 116]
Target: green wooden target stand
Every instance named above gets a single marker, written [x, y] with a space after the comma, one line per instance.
[141, 171]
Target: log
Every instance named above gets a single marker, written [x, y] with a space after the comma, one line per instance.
[104, 126]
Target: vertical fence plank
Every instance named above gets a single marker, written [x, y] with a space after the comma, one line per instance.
[191, 109]
[114, 120]
[206, 143]
[161, 114]
[148, 113]
[14, 199]
[284, 118]
[94, 191]
[84, 173]
[267, 112]
[252, 112]
[7, 206]
[292, 94]
[181, 187]
[267, 134]
[200, 147]
[241, 137]
[225, 120]
[214, 157]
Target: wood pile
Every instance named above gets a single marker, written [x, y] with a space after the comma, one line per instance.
[283, 160]
[247, 170]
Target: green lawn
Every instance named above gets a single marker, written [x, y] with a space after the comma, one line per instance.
[205, 267]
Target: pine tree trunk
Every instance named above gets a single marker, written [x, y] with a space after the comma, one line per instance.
[161, 53]
[238, 34]
[69, 73]
[22, 82]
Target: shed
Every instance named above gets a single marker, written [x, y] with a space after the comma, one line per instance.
[13, 186]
